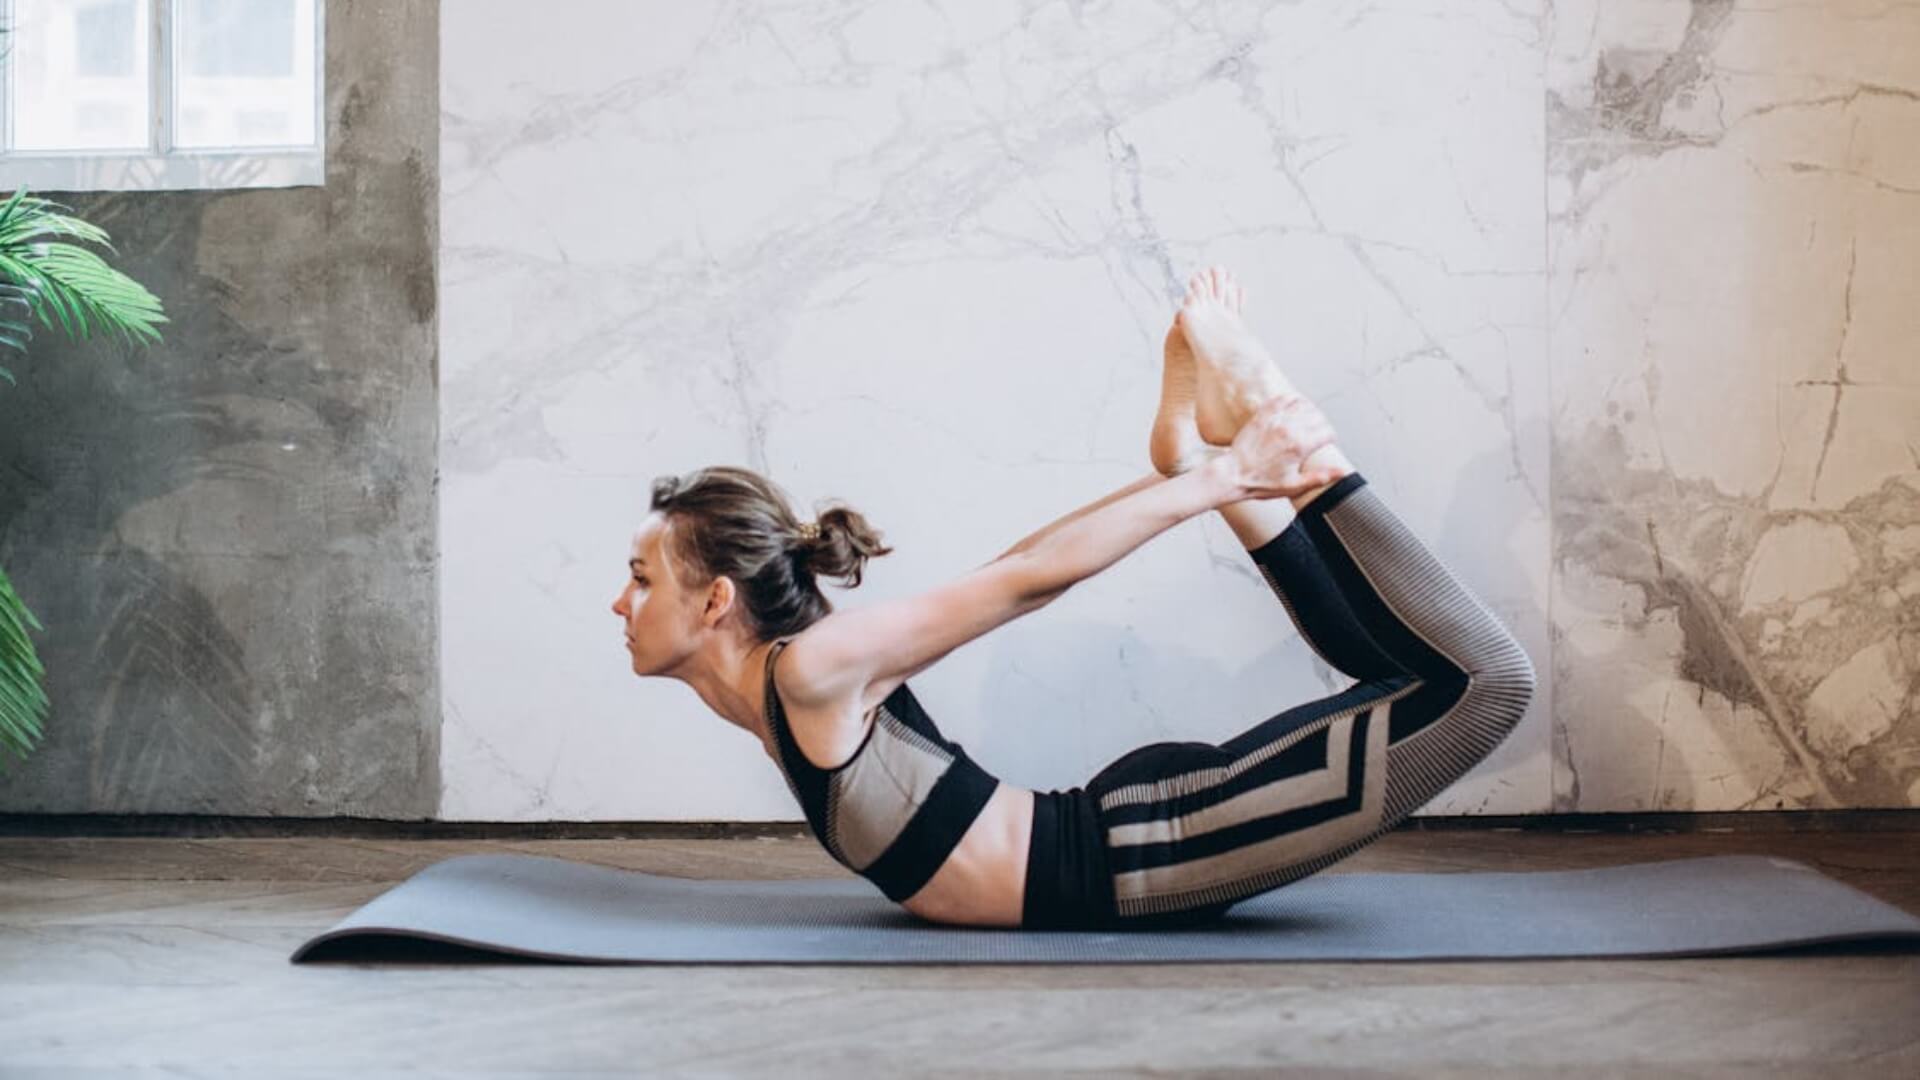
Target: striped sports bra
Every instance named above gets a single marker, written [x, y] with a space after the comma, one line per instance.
[894, 810]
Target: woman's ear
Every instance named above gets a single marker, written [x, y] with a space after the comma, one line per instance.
[720, 597]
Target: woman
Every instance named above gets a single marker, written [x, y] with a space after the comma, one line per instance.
[723, 597]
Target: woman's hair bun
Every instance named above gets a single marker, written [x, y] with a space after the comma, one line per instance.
[844, 544]
[733, 521]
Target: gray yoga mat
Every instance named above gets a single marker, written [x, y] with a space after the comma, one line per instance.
[554, 909]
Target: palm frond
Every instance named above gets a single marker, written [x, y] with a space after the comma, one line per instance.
[54, 281]
[64, 284]
[23, 698]
[16, 309]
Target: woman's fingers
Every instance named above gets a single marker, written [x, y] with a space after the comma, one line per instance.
[1314, 442]
[1275, 443]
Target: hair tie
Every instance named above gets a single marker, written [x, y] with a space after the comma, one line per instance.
[810, 531]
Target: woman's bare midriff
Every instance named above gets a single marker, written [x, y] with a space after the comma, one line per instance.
[983, 881]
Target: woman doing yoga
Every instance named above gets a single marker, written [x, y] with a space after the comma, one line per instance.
[723, 596]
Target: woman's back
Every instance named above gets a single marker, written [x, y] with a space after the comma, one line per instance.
[896, 808]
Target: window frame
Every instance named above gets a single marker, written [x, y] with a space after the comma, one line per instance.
[163, 166]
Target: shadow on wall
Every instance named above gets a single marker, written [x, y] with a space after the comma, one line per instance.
[1074, 693]
[151, 698]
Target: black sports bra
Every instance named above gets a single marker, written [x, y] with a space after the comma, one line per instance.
[894, 810]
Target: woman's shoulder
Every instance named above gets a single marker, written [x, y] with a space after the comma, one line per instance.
[826, 725]
[815, 677]
[796, 668]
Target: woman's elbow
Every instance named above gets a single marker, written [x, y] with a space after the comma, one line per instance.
[1041, 599]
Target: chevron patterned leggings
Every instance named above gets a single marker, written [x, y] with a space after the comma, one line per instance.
[1190, 828]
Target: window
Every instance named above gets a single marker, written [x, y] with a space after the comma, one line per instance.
[117, 95]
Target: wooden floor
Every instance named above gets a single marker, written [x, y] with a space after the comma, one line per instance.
[168, 957]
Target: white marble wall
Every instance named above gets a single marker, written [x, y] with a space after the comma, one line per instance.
[920, 256]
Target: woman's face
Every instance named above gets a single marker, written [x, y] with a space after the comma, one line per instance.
[659, 625]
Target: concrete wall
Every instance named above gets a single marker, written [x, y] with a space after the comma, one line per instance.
[231, 538]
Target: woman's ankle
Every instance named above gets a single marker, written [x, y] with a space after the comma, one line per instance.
[1255, 522]
[1327, 457]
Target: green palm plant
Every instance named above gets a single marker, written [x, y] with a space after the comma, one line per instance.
[61, 284]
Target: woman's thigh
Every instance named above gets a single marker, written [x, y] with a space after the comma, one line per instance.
[1151, 764]
[1190, 828]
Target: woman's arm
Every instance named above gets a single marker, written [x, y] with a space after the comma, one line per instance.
[847, 651]
[1264, 462]
[1097, 536]
[1138, 485]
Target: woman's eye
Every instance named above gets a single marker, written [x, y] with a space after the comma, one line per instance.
[640, 581]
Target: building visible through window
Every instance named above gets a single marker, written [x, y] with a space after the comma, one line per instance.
[104, 40]
[99, 96]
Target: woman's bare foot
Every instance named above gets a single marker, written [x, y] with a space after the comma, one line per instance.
[1236, 374]
[1176, 445]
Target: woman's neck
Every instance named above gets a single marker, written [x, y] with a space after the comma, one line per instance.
[732, 682]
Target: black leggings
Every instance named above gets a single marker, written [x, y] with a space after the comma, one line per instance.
[1175, 833]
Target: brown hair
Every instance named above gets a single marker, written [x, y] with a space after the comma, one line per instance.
[734, 522]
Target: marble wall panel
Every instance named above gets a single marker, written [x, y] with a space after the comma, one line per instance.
[920, 257]
[1734, 221]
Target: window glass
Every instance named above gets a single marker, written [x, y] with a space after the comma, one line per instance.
[79, 70]
[102, 47]
[245, 76]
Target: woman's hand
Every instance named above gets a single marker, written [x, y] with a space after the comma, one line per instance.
[1267, 454]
